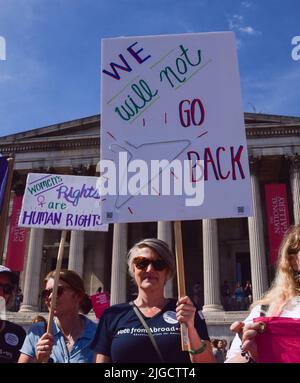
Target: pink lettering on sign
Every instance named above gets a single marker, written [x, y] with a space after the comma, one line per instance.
[216, 163]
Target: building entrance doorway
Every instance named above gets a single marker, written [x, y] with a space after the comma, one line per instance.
[242, 268]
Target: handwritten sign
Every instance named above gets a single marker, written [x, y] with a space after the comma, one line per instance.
[173, 143]
[55, 201]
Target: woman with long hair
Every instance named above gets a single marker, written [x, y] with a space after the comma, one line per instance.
[281, 300]
[72, 331]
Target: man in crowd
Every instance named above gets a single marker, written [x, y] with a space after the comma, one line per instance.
[11, 335]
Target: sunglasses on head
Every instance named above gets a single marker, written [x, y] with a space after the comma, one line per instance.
[6, 288]
[60, 289]
[142, 263]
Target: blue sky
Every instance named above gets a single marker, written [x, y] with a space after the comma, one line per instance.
[52, 69]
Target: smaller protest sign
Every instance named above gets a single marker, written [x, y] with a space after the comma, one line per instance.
[100, 303]
[54, 201]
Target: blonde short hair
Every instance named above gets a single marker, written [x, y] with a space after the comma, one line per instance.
[160, 247]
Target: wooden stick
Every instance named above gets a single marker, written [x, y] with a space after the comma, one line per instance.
[56, 279]
[180, 280]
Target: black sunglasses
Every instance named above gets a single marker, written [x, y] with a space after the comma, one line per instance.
[142, 263]
[60, 289]
[6, 288]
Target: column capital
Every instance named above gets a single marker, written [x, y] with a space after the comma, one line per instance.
[294, 161]
[84, 170]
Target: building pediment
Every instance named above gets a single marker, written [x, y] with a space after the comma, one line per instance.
[269, 119]
[88, 126]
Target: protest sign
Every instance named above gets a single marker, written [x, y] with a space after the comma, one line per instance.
[100, 303]
[65, 202]
[55, 201]
[173, 143]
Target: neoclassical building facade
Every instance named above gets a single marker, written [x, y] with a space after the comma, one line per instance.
[214, 249]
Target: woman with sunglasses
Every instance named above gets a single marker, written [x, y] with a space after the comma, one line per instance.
[72, 331]
[122, 335]
[281, 300]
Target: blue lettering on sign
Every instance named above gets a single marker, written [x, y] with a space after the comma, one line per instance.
[41, 218]
[72, 195]
[125, 66]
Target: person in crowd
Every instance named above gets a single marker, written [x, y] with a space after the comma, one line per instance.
[224, 348]
[19, 299]
[248, 293]
[40, 318]
[198, 294]
[72, 331]
[239, 296]
[281, 300]
[225, 294]
[122, 336]
[11, 335]
[218, 350]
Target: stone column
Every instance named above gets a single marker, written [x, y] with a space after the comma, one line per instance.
[76, 252]
[33, 271]
[211, 272]
[259, 274]
[118, 291]
[164, 232]
[295, 187]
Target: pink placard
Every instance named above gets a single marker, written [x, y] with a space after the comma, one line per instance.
[100, 303]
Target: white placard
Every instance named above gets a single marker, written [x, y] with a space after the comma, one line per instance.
[172, 98]
[54, 201]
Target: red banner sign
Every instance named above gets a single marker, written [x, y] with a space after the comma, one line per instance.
[17, 239]
[277, 216]
[100, 303]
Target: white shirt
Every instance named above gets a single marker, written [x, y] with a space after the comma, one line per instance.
[291, 310]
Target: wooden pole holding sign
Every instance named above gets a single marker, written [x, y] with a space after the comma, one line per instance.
[56, 279]
[180, 280]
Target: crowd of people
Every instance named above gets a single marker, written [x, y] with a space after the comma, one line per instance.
[147, 329]
[238, 298]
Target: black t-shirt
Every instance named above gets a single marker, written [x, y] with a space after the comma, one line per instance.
[11, 340]
[122, 337]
